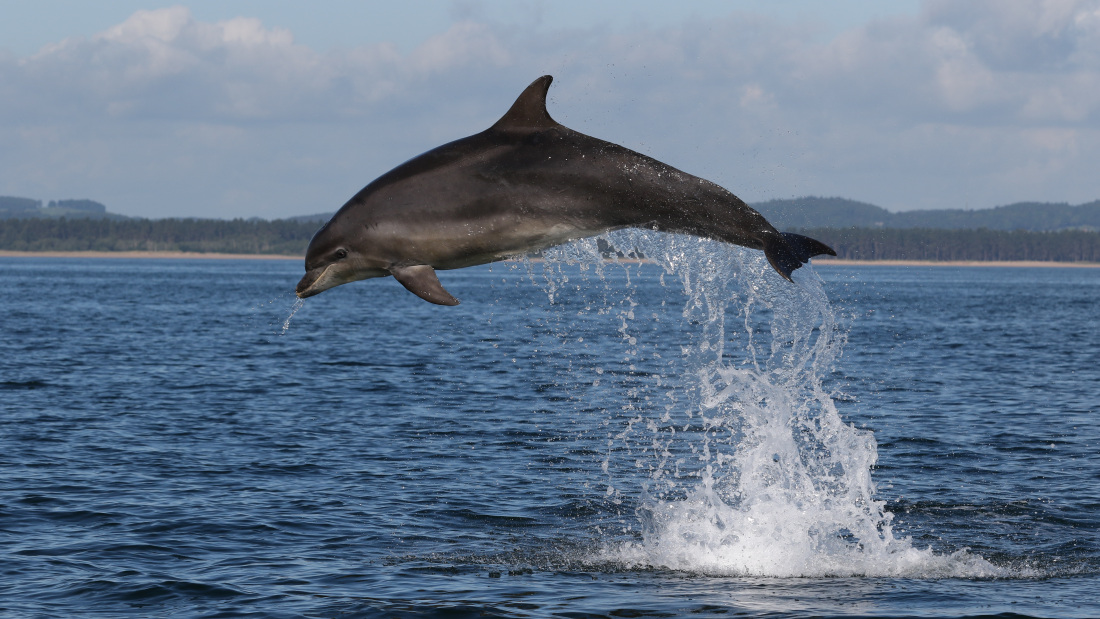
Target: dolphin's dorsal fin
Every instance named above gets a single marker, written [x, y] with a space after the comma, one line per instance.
[529, 113]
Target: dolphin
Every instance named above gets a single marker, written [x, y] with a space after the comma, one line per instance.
[524, 184]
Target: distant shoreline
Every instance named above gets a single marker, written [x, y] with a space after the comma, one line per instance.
[817, 261]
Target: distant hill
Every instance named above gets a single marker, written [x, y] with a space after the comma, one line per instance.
[320, 218]
[18, 205]
[39, 234]
[26, 208]
[963, 244]
[12, 207]
[813, 212]
[237, 236]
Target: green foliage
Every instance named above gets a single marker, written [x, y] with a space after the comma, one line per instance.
[24, 208]
[87, 206]
[814, 212]
[237, 236]
[945, 245]
[12, 204]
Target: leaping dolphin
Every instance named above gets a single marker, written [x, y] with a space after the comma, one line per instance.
[524, 184]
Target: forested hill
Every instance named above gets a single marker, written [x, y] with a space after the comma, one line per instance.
[291, 238]
[12, 207]
[856, 230]
[812, 212]
[237, 236]
[318, 218]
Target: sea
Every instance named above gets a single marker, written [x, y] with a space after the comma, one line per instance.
[676, 432]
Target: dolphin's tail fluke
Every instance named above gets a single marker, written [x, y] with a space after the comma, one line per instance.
[805, 248]
[790, 251]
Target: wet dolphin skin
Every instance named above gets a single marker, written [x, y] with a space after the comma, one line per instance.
[524, 184]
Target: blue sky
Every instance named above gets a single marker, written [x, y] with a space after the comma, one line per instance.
[274, 108]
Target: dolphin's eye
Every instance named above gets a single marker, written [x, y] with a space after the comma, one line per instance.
[341, 254]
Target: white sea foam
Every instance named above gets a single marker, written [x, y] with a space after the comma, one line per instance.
[753, 471]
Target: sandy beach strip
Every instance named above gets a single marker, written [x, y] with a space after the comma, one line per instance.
[143, 254]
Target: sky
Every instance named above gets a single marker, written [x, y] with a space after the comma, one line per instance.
[253, 108]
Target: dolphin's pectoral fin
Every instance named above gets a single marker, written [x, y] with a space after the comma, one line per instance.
[421, 281]
[790, 251]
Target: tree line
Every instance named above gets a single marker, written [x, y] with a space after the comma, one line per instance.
[237, 236]
[948, 245]
[240, 236]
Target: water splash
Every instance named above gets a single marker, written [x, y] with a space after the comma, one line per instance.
[749, 468]
[298, 303]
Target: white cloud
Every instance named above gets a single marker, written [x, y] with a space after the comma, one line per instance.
[465, 44]
[976, 103]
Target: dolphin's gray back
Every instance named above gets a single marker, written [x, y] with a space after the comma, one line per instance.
[542, 188]
[527, 183]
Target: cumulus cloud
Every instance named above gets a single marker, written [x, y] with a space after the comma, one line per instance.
[966, 104]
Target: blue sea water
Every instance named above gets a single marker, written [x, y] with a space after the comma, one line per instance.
[691, 437]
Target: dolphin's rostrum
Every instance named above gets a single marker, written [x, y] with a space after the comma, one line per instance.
[524, 184]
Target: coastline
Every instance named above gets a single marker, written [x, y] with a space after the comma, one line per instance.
[817, 261]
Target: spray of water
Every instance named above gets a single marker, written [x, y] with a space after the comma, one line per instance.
[298, 303]
[749, 468]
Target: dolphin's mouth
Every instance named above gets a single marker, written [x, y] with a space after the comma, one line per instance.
[332, 275]
[314, 282]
